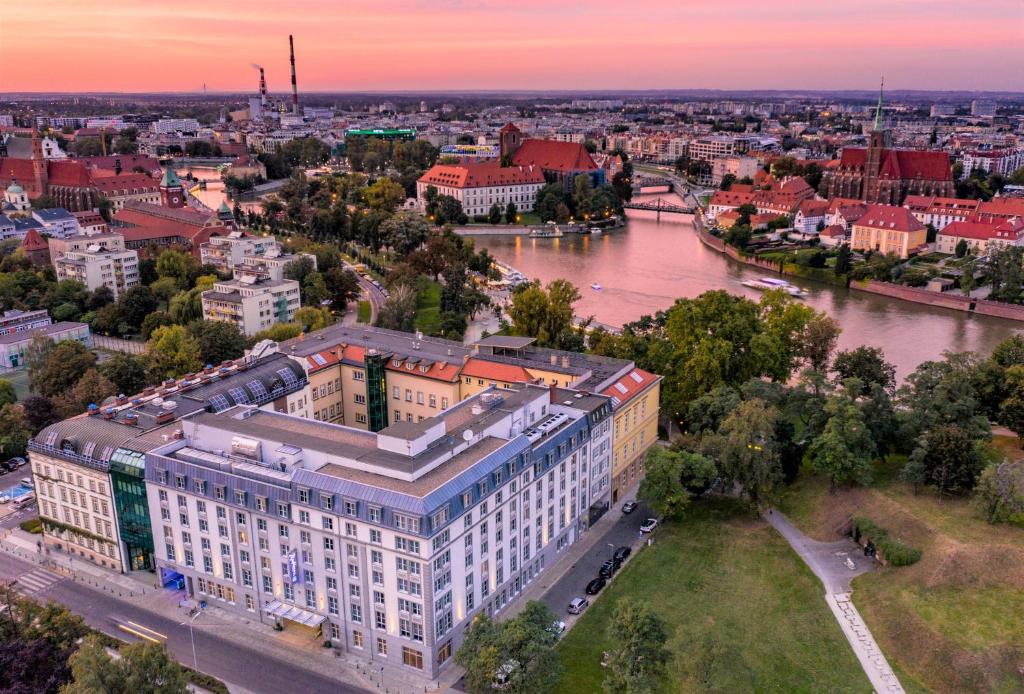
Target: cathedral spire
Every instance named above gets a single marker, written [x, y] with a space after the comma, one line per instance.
[878, 111]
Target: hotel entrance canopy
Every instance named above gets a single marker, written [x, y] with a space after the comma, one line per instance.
[276, 608]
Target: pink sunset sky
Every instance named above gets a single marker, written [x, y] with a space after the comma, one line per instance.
[343, 45]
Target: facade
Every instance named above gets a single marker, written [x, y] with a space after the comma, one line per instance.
[711, 148]
[388, 544]
[981, 237]
[479, 185]
[56, 222]
[252, 301]
[88, 470]
[61, 247]
[15, 321]
[227, 252]
[1001, 161]
[98, 265]
[740, 167]
[888, 229]
[122, 188]
[809, 214]
[14, 345]
[635, 398]
[940, 212]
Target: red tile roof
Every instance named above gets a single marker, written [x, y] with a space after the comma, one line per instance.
[68, 173]
[510, 128]
[889, 217]
[834, 231]
[1004, 208]
[630, 385]
[813, 208]
[495, 371]
[109, 183]
[481, 174]
[549, 155]
[1008, 229]
[901, 163]
[33, 241]
[731, 198]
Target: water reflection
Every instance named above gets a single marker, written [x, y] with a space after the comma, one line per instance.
[647, 265]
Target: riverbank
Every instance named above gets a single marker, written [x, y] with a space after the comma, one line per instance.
[947, 300]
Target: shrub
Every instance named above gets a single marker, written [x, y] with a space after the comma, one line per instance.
[893, 550]
[32, 525]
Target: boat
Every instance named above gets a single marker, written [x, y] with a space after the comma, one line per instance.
[549, 232]
[766, 283]
[595, 286]
[595, 230]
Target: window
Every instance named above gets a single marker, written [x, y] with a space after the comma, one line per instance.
[382, 646]
[350, 507]
[380, 619]
[359, 398]
[304, 517]
[356, 613]
[284, 510]
[329, 544]
[327, 502]
[407, 523]
[261, 503]
[375, 514]
[412, 657]
[327, 522]
[406, 545]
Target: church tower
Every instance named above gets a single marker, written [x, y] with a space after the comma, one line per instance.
[878, 142]
[39, 171]
[172, 193]
[510, 137]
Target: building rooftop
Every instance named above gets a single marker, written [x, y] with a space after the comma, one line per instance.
[53, 329]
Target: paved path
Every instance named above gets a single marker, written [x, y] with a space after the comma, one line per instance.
[828, 561]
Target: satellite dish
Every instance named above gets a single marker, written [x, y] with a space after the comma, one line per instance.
[467, 435]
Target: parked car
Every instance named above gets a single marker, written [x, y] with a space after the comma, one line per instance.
[557, 627]
[621, 553]
[595, 586]
[649, 525]
[578, 605]
[608, 568]
[629, 507]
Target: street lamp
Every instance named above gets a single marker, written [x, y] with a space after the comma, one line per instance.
[192, 636]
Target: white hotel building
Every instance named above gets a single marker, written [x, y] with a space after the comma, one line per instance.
[388, 544]
[479, 185]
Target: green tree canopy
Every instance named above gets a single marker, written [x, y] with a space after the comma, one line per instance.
[218, 340]
[172, 352]
[638, 656]
[55, 368]
[143, 668]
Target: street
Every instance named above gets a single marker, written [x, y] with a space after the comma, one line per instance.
[251, 668]
[572, 585]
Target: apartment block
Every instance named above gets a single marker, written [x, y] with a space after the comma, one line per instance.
[388, 543]
[100, 265]
[252, 301]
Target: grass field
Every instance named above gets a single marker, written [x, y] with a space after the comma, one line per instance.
[428, 309]
[364, 312]
[743, 612]
[953, 622]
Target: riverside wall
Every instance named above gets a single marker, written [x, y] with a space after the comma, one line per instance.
[948, 300]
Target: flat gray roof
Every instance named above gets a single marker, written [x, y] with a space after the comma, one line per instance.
[386, 341]
[53, 329]
[506, 341]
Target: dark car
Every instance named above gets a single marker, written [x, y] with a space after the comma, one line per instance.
[621, 553]
[629, 507]
[595, 586]
[608, 568]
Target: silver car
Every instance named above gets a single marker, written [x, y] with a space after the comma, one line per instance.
[578, 605]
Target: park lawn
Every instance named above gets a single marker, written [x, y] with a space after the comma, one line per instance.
[428, 309]
[364, 312]
[743, 612]
[952, 622]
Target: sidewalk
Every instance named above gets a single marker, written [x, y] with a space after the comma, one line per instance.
[828, 561]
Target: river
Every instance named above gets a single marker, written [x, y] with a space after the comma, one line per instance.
[648, 264]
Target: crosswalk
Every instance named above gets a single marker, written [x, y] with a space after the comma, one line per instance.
[36, 581]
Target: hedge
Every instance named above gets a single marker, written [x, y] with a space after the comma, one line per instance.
[894, 551]
[32, 525]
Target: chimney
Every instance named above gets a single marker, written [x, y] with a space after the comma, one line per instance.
[565, 362]
[553, 393]
[554, 360]
[295, 88]
[263, 89]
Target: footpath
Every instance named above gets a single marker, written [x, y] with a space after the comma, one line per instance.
[831, 563]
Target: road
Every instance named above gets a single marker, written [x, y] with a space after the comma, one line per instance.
[375, 295]
[624, 532]
[252, 668]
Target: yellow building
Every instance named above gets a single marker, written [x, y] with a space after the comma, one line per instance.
[888, 229]
[634, 426]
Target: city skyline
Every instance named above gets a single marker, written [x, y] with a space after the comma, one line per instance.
[416, 46]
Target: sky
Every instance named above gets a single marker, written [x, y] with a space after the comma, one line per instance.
[420, 45]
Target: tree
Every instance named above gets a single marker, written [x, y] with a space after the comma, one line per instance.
[384, 195]
[176, 265]
[404, 232]
[278, 332]
[744, 447]
[946, 458]
[137, 303]
[727, 181]
[844, 450]
[311, 318]
[7, 393]
[511, 214]
[171, 353]
[299, 268]
[14, 431]
[143, 668]
[218, 341]
[520, 649]
[582, 195]
[55, 368]
[126, 372]
[867, 365]
[38, 411]
[399, 309]
[494, 214]
[637, 660]
[961, 248]
[819, 338]
[670, 478]
[844, 260]
[999, 494]
[707, 412]
[545, 313]
[32, 665]
[342, 287]
[549, 198]
[92, 388]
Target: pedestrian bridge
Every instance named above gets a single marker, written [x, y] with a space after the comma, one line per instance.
[659, 206]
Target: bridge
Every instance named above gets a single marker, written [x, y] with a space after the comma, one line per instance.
[658, 206]
[653, 185]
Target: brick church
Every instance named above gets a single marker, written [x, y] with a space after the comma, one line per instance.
[881, 174]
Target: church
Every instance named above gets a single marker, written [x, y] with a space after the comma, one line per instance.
[881, 174]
